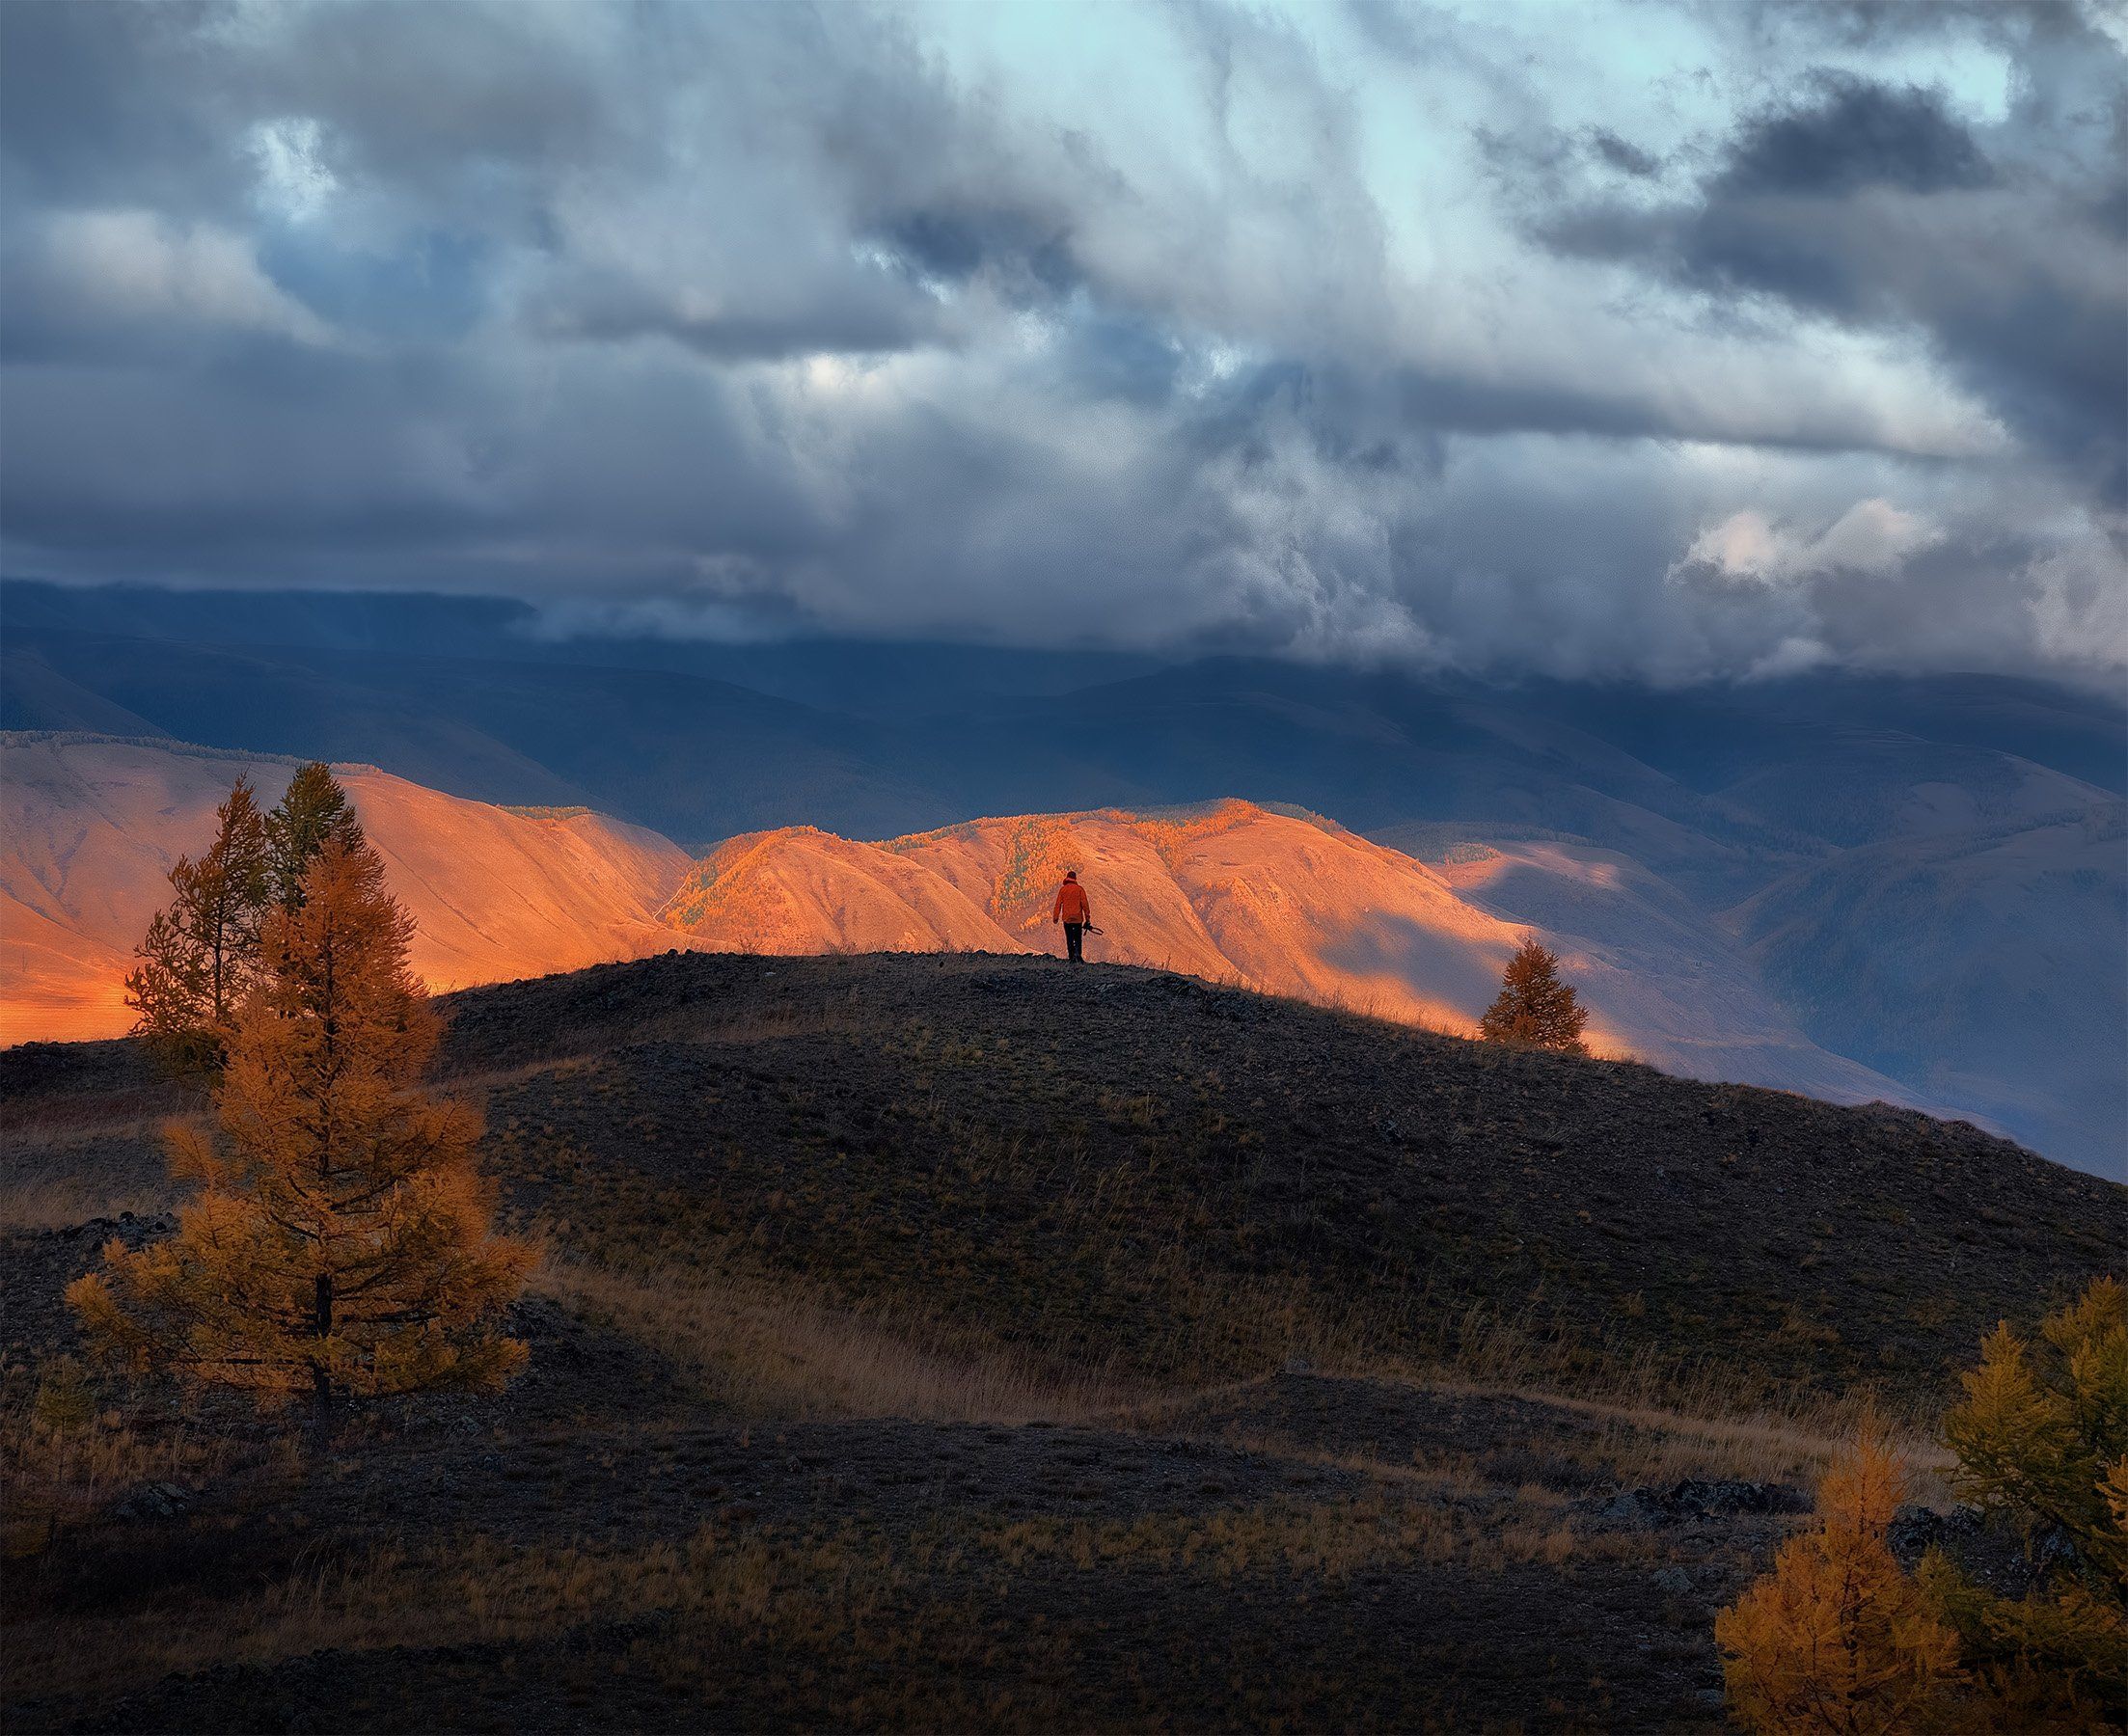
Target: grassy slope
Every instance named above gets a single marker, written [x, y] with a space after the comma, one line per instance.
[1125, 1166]
[918, 1349]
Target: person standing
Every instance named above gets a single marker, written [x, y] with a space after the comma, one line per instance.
[1072, 911]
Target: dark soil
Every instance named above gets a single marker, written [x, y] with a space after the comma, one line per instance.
[1045, 1150]
[1248, 1215]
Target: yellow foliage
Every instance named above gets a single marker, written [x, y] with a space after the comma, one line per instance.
[2043, 1439]
[199, 955]
[340, 1242]
[1836, 1639]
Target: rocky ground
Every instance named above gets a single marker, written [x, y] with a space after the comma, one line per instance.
[957, 1343]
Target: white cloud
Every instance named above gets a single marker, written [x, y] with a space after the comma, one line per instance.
[2080, 604]
[293, 179]
[1216, 325]
[135, 267]
[1748, 547]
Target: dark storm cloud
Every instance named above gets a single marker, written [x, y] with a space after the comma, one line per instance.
[1622, 154]
[805, 312]
[1853, 134]
[1872, 204]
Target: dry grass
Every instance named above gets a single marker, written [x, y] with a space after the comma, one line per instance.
[1328, 1540]
[138, 1111]
[1667, 1419]
[842, 1603]
[776, 1351]
[1645, 1444]
[1660, 1420]
[778, 1347]
[475, 1590]
[65, 1457]
[686, 1024]
[59, 1201]
[1704, 1396]
[827, 1593]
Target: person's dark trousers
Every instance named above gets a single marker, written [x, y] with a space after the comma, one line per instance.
[1072, 933]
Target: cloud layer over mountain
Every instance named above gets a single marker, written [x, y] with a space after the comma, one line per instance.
[1671, 339]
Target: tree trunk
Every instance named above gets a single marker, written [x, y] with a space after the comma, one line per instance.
[321, 1382]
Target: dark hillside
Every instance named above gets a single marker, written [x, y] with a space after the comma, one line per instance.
[1127, 1167]
[953, 1341]
[1100, 1164]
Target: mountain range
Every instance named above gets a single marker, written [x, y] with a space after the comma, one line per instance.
[1904, 887]
[93, 825]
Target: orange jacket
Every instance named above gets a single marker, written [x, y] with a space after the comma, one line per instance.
[1071, 904]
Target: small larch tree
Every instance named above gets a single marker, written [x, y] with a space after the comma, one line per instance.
[2042, 1442]
[1534, 1008]
[200, 955]
[340, 1240]
[1836, 1638]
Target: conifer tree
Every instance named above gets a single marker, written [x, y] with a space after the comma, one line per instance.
[1836, 1638]
[1534, 1008]
[340, 1240]
[313, 810]
[200, 955]
[2042, 1440]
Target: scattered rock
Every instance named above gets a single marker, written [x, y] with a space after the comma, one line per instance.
[152, 1501]
[1990, 1552]
[1697, 1498]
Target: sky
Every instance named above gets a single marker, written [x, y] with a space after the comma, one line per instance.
[1669, 340]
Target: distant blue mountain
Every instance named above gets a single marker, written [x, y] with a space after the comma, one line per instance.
[1836, 826]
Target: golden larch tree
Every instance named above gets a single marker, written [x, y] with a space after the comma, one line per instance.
[2042, 1441]
[1534, 1008]
[340, 1240]
[1836, 1638]
[200, 955]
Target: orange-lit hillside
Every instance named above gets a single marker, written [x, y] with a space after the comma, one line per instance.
[1280, 902]
[93, 823]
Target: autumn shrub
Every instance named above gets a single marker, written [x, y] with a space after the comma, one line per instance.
[2041, 1440]
[1837, 1638]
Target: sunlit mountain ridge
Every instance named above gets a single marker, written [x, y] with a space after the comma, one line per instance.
[93, 825]
[1277, 900]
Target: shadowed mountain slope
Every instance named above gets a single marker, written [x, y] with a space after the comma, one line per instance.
[1984, 966]
[696, 759]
